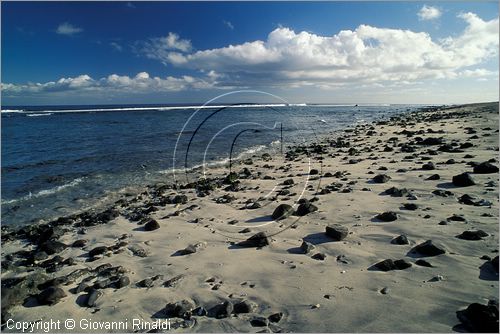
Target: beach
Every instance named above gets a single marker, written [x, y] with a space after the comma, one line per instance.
[331, 237]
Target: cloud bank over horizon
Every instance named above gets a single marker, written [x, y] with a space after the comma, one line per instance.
[367, 55]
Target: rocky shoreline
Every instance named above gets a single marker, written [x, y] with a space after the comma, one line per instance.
[300, 244]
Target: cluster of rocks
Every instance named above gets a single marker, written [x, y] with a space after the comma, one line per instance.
[186, 309]
[48, 291]
[480, 318]
[388, 264]
[284, 211]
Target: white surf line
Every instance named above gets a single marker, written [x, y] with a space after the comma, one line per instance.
[156, 108]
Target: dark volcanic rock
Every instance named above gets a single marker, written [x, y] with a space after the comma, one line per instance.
[151, 225]
[36, 257]
[423, 263]
[410, 206]
[266, 157]
[337, 232]
[305, 208]
[222, 310]
[180, 199]
[182, 309]
[191, 249]
[400, 240]
[387, 216]
[138, 251]
[463, 180]
[53, 262]
[319, 256]
[485, 168]
[401, 264]
[245, 306]
[16, 289]
[428, 166]
[313, 172]
[473, 235]
[449, 148]
[494, 262]
[480, 318]
[434, 177]
[307, 247]
[81, 287]
[456, 218]
[282, 211]
[431, 141]
[407, 148]
[466, 145]
[98, 251]
[92, 297]
[50, 296]
[123, 281]
[79, 243]
[466, 199]
[53, 247]
[276, 317]
[63, 280]
[381, 178]
[102, 284]
[149, 282]
[442, 193]
[145, 283]
[200, 311]
[395, 192]
[384, 290]
[343, 259]
[256, 240]
[388, 264]
[427, 248]
[173, 282]
[46, 232]
[231, 178]
[253, 205]
[259, 322]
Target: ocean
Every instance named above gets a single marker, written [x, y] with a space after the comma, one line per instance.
[57, 160]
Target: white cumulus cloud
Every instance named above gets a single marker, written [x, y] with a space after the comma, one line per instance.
[428, 13]
[160, 48]
[140, 83]
[366, 54]
[68, 29]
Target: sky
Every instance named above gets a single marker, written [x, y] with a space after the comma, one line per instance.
[305, 52]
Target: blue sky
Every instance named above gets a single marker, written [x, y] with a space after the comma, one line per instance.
[169, 52]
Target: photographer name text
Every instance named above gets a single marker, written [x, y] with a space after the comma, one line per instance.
[47, 326]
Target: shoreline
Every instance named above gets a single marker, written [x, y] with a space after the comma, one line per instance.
[179, 243]
[114, 194]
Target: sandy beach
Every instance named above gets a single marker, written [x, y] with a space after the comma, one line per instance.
[340, 241]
